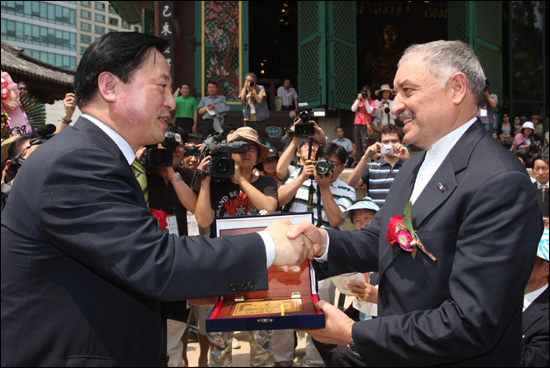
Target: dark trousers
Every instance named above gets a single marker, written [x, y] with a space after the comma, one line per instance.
[208, 127]
[185, 123]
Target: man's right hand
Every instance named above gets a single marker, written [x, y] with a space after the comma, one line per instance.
[372, 151]
[318, 237]
[289, 252]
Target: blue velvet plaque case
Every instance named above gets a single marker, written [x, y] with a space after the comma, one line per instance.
[296, 288]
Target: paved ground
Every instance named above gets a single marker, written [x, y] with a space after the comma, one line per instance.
[241, 357]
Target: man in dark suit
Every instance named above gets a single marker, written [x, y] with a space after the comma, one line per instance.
[535, 347]
[474, 209]
[84, 264]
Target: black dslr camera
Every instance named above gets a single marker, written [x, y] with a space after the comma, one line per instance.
[161, 157]
[324, 167]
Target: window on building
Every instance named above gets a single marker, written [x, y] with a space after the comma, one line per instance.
[99, 5]
[85, 38]
[125, 25]
[100, 18]
[85, 26]
[83, 49]
[112, 10]
[86, 3]
[113, 21]
[99, 29]
[85, 14]
[136, 29]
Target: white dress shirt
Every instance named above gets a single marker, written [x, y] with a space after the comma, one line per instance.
[435, 156]
[530, 297]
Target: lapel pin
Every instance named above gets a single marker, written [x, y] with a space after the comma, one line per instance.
[441, 187]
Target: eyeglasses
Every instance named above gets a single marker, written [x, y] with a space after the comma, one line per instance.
[335, 163]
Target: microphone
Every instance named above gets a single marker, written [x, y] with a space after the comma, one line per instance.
[45, 130]
[292, 114]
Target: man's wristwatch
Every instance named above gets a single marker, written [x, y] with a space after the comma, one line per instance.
[178, 178]
[351, 347]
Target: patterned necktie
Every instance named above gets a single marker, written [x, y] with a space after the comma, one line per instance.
[139, 172]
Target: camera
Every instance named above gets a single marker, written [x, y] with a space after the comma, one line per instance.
[192, 151]
[323, 167]
[251, 83]
[171, 140]
[161, 157]
[386, 106]
[304, 128]
[387, 149]
[222, 165]
[364, 93]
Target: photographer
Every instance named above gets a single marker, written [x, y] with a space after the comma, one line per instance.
[255, 109]
[365, 132]
[486, 108]
[335, 195]
[327, 196]
[284, 167]
[169, 191]
[382, 115]
[244, 194]
[378, 175]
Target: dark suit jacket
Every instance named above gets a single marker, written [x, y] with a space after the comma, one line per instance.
[483, 228]
[84, 265]
[535, 333]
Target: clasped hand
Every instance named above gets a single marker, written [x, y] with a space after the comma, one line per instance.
[294, 243]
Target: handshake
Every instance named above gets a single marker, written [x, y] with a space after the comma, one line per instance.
[294, 243]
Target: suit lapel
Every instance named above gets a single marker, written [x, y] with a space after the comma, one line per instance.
[402, 189]
[101, 139]
[432, 197]
[534, 312]
[444, 182]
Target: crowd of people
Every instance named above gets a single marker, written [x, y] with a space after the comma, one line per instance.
[101, 230]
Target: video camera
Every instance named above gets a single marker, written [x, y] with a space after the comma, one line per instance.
[161, 157]
[222, 165]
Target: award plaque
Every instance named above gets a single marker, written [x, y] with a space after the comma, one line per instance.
[289, 302]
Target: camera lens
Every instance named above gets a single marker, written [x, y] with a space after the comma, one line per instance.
[221, 167]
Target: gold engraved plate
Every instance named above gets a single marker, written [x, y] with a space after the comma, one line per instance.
[267, 307]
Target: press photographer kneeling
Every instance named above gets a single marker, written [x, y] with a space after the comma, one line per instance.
[242, 193]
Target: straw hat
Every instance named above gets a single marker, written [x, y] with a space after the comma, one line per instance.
[385, 87]
[249, 135]
[6, 146]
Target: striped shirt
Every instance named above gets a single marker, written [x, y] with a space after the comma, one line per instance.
[343, 194]
[379, 176]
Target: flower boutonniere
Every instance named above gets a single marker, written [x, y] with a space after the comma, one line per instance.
[161, 217]
[400, 231]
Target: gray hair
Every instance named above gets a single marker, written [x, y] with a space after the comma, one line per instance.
[444, 58]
